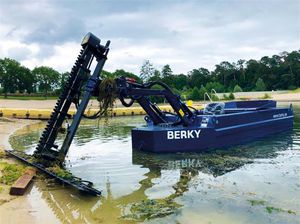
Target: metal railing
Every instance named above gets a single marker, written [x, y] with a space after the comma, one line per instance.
[206, 94]
[214, 92]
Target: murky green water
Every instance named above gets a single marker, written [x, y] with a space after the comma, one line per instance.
[258, 182]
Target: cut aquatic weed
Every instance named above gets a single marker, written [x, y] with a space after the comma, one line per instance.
[2, 154]
[107, 95]
[10, 172]
[219, 164]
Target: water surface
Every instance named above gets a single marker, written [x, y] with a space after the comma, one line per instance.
[258, 182]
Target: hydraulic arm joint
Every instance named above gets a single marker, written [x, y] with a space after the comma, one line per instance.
[141, 92]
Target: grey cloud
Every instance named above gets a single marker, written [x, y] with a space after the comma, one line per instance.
[55, 33]
[20, 53]
[199, 32]
[11, 32]
[45, 51]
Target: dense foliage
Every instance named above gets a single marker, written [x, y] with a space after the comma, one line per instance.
[269, 73]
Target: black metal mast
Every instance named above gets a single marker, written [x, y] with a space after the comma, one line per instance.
[92, 48]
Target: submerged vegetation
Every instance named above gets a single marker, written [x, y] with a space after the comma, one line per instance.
[257, 202]
[221, 164]
[151, 208]
[270, 209]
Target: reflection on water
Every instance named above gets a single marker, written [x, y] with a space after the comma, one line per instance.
[216, 187]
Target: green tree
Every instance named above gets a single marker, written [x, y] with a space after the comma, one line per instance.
[241, 68]
[147, 71]
[198, 77]
[156, 76]
[253, 68]
[122, 72]
[179, 81]
[291, 65]
[166, 71]
[226, 73]
[47, 79]
[63, 79]
[269, 71]
[106, 74]
[26, 80]
[15, 77]
[260, 85]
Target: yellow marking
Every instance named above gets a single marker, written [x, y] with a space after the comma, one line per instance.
[189, 103]
[31, 113]
[181, 112]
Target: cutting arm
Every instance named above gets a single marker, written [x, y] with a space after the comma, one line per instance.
[126, 88]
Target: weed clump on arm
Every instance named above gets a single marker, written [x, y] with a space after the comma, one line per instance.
[60, 172]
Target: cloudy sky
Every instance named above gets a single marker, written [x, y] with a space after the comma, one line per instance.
[184, 34]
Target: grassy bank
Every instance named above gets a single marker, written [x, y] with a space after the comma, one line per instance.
[248, 95]
[295, 91]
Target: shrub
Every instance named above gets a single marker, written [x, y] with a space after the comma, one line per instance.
[225, 97]
[218, 87]
[237, 88]
[266, 96]
[214, 97]
[202, 91]
[195, 94]
[260, 85]
[291, 87]
[231, 96]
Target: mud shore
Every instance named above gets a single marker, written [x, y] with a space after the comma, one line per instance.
[19, 209]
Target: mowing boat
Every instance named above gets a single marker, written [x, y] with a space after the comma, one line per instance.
[183, 130]
[217, 125]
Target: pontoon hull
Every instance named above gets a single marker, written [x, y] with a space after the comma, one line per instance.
[214, 131]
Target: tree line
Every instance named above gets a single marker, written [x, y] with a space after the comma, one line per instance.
[278, 72]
